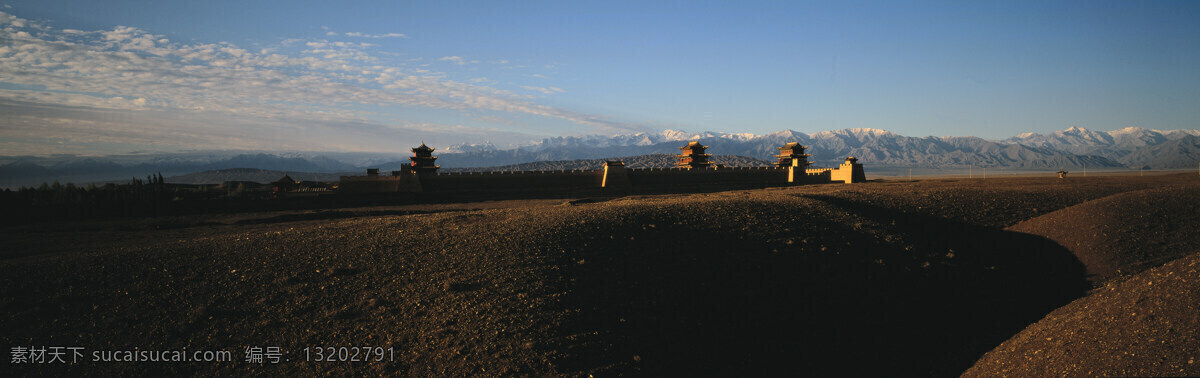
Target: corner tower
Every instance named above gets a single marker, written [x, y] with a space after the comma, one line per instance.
[849, 172]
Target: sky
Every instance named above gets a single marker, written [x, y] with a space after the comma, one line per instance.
[117, 76]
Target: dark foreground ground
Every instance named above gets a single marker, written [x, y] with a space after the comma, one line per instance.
[881, 278]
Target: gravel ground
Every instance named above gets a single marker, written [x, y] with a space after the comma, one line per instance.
[1147, 325]
[1124, 234]
[879, 278]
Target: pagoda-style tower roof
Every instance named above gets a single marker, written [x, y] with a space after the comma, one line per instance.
[422, 149]
[693, 146]
[791, 146]
[285, 184]
[285, 180]
[792, 154]
[423, 159]
[692, 156]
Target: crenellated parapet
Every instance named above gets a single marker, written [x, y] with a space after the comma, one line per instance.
[850, 172]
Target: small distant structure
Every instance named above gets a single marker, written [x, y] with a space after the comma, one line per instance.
[286, 187]
[422, 160]
[1062, 174]
[692, 156]
[615, 176]
[285, 184]
[792, 155]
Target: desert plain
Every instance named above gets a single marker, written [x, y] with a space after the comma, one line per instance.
[1014, 276]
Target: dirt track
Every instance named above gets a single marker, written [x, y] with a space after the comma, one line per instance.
[914, 277]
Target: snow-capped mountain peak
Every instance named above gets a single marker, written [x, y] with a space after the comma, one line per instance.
[1128, 130]
[669, 135]
[470, 147]
[856, 133]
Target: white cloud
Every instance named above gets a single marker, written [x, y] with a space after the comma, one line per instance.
[386, 35]
[328, 83]
[453, 59]
[546, 90]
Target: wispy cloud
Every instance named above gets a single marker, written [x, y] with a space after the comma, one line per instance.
[129, 69]
[546, 90]
[385, 35]
[453, 59]
[330, 32]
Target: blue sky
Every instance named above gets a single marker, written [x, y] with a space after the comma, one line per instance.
[92, 77]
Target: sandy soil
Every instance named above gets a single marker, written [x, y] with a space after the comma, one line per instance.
[878, 278]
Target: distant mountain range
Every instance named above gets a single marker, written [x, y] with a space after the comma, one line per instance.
[871, 146]
[247, 174]
[640, 161]
[1132, 146]
[1071, 148]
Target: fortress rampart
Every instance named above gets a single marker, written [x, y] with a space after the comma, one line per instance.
[694, 173]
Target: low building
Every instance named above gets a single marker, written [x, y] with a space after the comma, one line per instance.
[285, 184]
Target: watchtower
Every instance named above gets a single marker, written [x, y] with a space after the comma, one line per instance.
[849, 172]
[692, 156]
[792, 155]
[423, 160]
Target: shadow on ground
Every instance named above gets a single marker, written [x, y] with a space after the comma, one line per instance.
[339, 214]
[914, 295]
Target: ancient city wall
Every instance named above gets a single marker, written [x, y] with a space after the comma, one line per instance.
[533, 182]
[608, 179]
[675, 179]
[613, 178]
[815, 175]
[379, 184]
